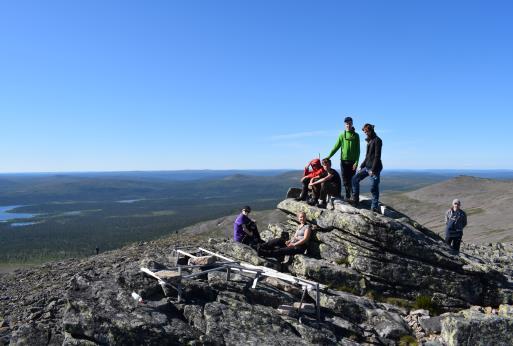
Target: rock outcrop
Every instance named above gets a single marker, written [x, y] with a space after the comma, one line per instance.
[475, 327]
[374, 267]
[398, 258]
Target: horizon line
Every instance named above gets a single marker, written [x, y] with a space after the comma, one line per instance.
[251, 169]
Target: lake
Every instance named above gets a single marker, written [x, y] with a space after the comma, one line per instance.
[5, 215]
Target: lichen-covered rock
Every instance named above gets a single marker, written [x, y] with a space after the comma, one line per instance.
[397, 257]
[388, 324]
[241, 252]
[470, 327]
[332, 274]
[506, 310]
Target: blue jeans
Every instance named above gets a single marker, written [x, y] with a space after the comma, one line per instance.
[362, 174]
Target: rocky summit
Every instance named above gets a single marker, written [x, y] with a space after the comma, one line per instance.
[384, 280]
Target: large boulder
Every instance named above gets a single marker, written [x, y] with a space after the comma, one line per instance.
[396, 257]
[471, 327]
[335, 276]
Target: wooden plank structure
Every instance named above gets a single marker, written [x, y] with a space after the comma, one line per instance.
[174, 276]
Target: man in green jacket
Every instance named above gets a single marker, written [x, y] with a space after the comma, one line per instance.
[349, 144]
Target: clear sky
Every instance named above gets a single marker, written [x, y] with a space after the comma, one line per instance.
[155, 85]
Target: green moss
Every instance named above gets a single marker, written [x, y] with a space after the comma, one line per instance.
[343, 288]
[425, 302]
[408, 340]
[342, 260]
[374, 295]
[403, 303]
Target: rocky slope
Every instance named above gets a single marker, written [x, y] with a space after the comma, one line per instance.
[378, 269]
[486, 201]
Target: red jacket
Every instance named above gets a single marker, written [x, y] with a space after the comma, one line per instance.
[316, 171]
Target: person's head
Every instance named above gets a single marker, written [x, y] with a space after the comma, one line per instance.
[368, 129]
[348, 123]
[316, 164]
[326, 163]
[246, 210]
[456, 204]
[301, 216]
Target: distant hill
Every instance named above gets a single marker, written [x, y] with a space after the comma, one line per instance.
[487, 202]
[223, 226]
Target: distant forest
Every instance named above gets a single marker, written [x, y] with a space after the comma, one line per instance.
[77, 212]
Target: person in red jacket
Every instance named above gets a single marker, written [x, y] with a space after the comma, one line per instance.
[308, 175]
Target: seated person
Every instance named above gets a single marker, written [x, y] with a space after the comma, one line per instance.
[308, 175]
[328, 183]
[245, 230]
[280, 247]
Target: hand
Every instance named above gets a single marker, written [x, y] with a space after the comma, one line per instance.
[290, 244]
[355, 167]
[303, 179]
[371, 173]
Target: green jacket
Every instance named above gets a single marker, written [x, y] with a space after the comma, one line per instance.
[349, 141]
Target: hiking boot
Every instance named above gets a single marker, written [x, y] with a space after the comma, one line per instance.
[376, 210]
[353, 201]
[321, 205]
[312, 201]
[300, 198]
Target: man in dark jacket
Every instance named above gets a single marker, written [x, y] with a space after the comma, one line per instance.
[371, 166]
[455, 221]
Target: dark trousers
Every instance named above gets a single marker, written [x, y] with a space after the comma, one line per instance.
[453, 239]
[304, 192]
[328, 188]
[273, 244]
[347, 171]
[252, 240]
[277, 248]
[454, 243]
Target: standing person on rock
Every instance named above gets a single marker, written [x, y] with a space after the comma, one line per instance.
[370, 167]
[309, 175]
[349, 144]
[455, 221]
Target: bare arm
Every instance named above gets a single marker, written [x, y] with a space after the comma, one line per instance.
[305, 239]
[328, 177]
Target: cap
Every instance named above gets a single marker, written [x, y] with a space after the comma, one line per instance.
[456, 201]
[348, 119]
[247, 208]
[315, 163]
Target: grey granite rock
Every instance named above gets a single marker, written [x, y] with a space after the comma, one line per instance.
[475, 328]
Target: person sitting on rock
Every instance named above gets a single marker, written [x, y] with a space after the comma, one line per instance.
[328, 184]
[308, 175]
[280, 247]
[245, 230]
[455, 221]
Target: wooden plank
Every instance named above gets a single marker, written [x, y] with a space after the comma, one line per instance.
[186, 253]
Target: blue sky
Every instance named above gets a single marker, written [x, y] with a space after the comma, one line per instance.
[153, 85]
